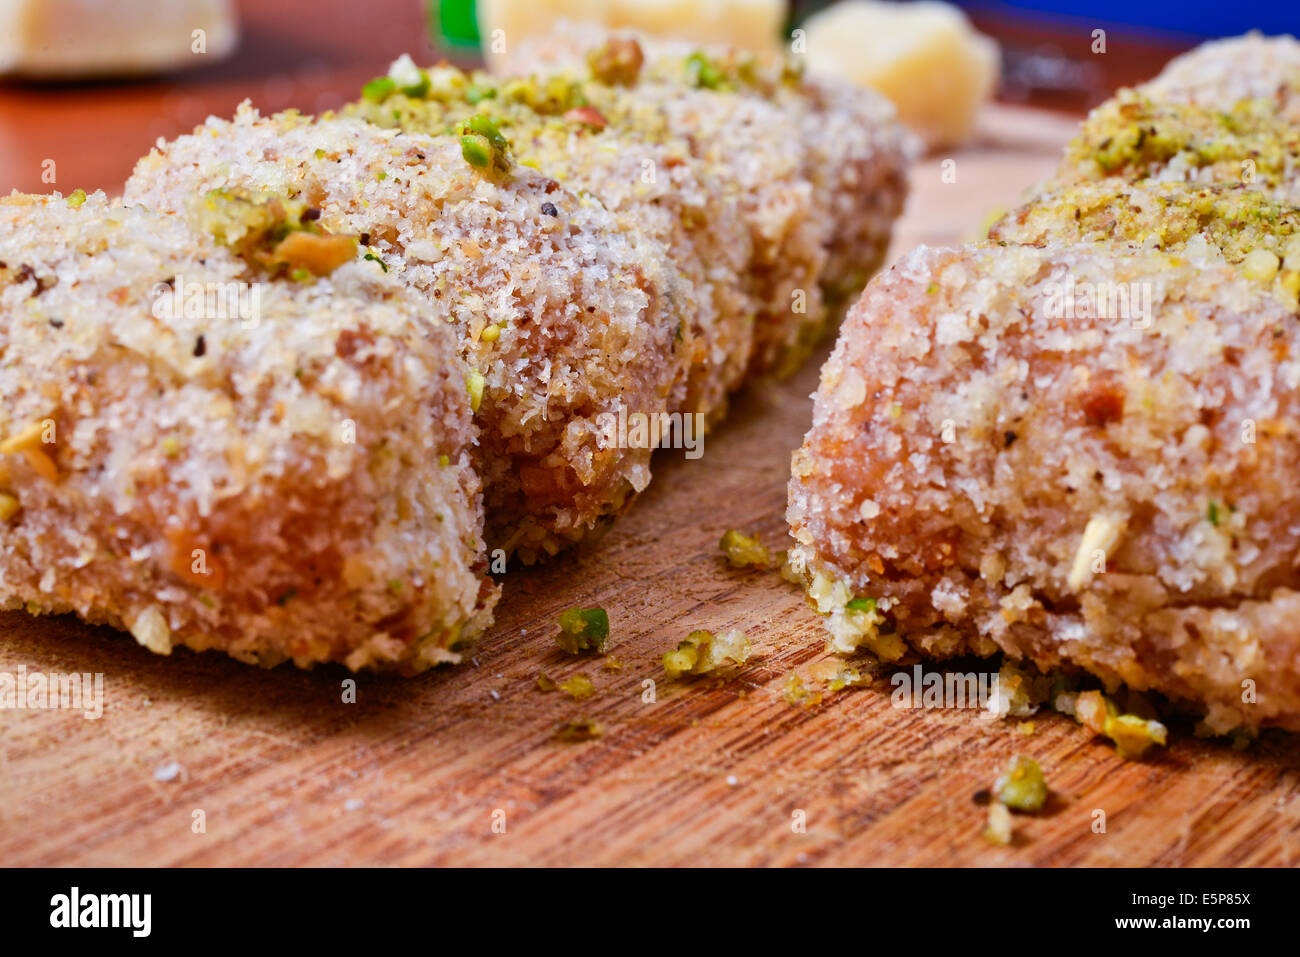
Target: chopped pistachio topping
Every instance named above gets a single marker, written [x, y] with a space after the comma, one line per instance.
[274, 233]
[379, 89]
[703, 652]
[77, 197]
[705, 73]
[550, 96]
[743, 551]
[483, 145]
[1250, 228]
[583, 629]
[1139, 137]
[408, 79]
[1022, 787]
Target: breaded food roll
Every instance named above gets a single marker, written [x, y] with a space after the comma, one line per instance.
[563, 315]
[598, 138]
[1082, 459]
[849, 151]
[231, 452]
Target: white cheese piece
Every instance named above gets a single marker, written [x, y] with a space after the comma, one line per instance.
[81, 38]
[924, 56]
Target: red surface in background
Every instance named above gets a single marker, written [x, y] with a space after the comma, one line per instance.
[315, 56]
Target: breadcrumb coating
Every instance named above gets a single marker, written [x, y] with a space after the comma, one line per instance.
[1113, 494]
[561, 313]
[817, 164]
[605, 140]
[286, 480]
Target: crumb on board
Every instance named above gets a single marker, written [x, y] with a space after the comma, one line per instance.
[579, 687]
[744, 551]
[579, 729]
[836, 675]
[582, 630]
[999, 829]
[1022, 787]
[798, 694]
[1133, 735]
[703, 652]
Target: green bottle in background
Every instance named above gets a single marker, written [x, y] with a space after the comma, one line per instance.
[453, 23]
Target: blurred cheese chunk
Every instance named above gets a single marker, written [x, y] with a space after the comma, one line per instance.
[749, 24]
[924, 56]
[80, 38]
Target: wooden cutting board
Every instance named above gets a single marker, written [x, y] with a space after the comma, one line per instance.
[460, 766]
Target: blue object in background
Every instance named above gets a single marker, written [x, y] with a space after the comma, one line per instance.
[1201, 18]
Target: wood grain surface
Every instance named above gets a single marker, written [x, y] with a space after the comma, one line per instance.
[461, 766]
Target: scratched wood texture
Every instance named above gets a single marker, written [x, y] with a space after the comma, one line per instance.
[416, 772]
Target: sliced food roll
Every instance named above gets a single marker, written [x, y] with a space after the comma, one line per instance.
[1080, 456]
[264, 454]
[564, 316]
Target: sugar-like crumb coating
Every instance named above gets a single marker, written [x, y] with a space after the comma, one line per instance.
[576, 309]
[816, 165]
[284, 474]
[1004, 461]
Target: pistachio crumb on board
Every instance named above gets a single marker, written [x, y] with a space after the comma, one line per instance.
[703, 652]
[582, 630]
